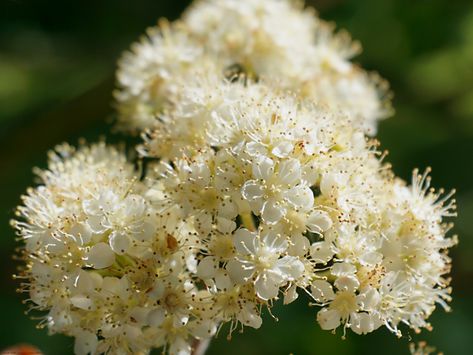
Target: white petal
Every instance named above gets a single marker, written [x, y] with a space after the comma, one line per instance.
[363, 323]
[266, 288]
[135, 205]
[180, 319]
[343, 269]
[331, 182]
[282, 149]
[82, 233]
[290, 267]
[60, 319]
[300, 197]
[84, 282]
[239, 272]
[140, 315]
[119, 242]
[113, 286]
[255, 149]
[272, 212]
[97, 224]
[328, 319]
[157, 291]
[371, 258]
[290, 295]
[207, 268]
[252, 190]
[256, 205]
[369, 299]
[245, 242]
[179, 346]
[319, 221]
[249, 316]
[276, 243]
[203, 223]
[204, 329]
[132, 332]
[147, 232]
[85, 343]
[321, 252]
[100, 256]
[263, 168]
[322, 291]
[347, 283]
[225, 226]
[289, 172]
[299, 245]
[228, 209]
[222, 280]
[83, 302]
[106, 201]
[92, 207]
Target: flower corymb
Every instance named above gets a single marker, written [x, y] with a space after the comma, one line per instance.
[258, 180]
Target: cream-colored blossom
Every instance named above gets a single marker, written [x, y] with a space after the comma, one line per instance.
[258, 181]
[275, 40]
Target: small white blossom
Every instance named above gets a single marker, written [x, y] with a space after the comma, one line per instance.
[259, 261]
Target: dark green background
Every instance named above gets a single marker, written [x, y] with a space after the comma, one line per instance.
[57, 60]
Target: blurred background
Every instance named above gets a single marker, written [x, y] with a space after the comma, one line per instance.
[57, 60]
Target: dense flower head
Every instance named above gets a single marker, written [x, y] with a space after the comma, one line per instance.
[251, 186]
[274, 39]
[268, 196]
[108, 268]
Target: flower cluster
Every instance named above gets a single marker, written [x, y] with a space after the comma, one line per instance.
[255, 187]
[271, 39]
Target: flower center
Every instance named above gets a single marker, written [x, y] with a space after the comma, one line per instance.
[345, 303]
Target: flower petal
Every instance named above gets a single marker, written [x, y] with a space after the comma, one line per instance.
[265, 287]
[245, 242]
[249, 316]
[263, 168]
[328, 319]
[290, 267]
[282, 149]
[222, 280]
[100, 256]
[319, 221]
[252, 190]
[272, 212]
[289, 172]
[321, 252]
[322, 291]
[300, 197]
[119, 242]
[240, 272]
[347, 283]
[207, 268]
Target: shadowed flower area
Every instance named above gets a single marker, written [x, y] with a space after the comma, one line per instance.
[57, 64]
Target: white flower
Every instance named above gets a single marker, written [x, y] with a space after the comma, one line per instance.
[276, 188]
[259, 261]
[259, 178]
[221, 249]
[85, 343]
[100, 256]
[232, 302]
[192, 185]
[145, 74]
[265, 40]
[175, 297]
[345, 306]
[124, 217]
